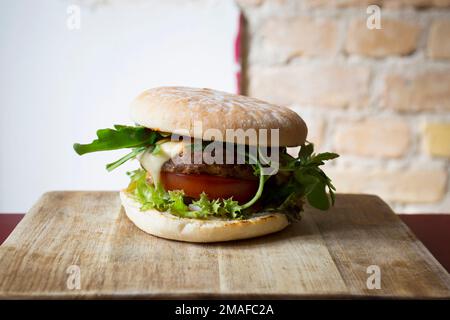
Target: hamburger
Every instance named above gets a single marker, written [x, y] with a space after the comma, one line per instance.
[214, 166]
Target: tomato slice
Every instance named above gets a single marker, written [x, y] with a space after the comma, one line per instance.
[214, 186]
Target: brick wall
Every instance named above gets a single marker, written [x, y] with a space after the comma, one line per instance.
[380, 98]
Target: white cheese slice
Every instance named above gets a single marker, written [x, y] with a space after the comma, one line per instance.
[154, 162]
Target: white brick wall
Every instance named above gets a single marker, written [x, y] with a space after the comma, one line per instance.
[381, 98]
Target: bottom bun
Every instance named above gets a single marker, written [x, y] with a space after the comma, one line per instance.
[166, 225]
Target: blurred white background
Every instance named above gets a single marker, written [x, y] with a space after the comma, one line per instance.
[58, 86]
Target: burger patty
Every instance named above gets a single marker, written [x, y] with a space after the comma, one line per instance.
[182, 164]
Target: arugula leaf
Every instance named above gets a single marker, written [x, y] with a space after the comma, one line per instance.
[308, 182]
[324, 157]
[138, 138]
[318, 197]
[119, 138]
[306, 151]
[258, 170]
[300, 179]
[311, 180]
[131, 155]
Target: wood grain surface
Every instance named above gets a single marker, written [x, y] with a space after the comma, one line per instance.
[325, 255]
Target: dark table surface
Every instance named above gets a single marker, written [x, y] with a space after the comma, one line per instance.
[432, 229]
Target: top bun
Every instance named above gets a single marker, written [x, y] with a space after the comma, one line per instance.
[177, 109]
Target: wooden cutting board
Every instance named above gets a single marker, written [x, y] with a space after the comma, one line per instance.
[326, 255]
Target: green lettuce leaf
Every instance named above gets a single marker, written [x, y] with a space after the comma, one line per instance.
[232, 208]
[206, 207]
[151, 197]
